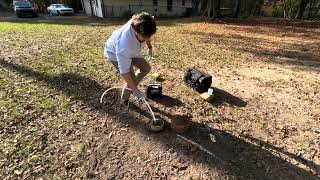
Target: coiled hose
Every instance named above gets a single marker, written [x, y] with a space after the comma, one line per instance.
[124, 88]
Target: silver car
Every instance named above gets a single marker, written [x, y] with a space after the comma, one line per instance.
[60, 9]
[24, 8]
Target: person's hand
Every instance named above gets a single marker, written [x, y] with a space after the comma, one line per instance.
[138, 94]
[150, 54]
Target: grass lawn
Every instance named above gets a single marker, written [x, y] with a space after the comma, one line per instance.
[265, 114]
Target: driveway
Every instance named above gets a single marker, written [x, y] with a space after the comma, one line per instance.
[8, 15]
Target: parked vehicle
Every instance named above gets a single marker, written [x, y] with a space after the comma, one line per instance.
[24, 8]
[60, 9]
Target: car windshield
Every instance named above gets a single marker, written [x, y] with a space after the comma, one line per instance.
[21, 3]
[61, 6]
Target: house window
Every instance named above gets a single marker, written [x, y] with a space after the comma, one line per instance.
[169, 5]
[155, 2]
[183, 2]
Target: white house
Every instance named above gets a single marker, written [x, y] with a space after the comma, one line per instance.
[121, 8]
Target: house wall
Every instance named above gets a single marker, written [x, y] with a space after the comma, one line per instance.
[118, 8]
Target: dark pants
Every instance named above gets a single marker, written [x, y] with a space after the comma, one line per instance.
[144, 68]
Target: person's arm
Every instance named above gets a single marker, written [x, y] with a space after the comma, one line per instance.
[131, 84]
[124, 63]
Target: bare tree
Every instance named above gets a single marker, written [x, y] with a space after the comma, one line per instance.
[258, 8]
[287, 8]
[302, 6]
[210, 8]
[236, 8]
[314, 7]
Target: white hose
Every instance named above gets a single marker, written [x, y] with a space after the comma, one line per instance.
[145, 101]
[111, 89]
[123, 88]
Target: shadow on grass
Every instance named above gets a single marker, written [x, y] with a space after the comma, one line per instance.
[302, 56]
[168, 101]
[278, 23]
[230, 154]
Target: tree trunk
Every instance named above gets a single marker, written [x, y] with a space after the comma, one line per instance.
[202, 7]
[290, 7]
[317, 10]
[285, 8]
[216, 8]
[310, 9]
[236, 9]
[213, 7]
[302, 7]
[210, 7]
[257, 8]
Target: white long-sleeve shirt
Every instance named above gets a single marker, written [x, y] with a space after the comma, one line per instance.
[122, 46]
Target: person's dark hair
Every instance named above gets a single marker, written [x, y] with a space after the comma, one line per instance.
[144, 24]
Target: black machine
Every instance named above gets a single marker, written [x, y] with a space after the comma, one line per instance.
[198, 80]
[154, 90]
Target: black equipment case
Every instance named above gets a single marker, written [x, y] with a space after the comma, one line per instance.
[198, 80]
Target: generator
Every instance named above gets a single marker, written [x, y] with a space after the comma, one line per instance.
[198, 80]
[154, 90]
